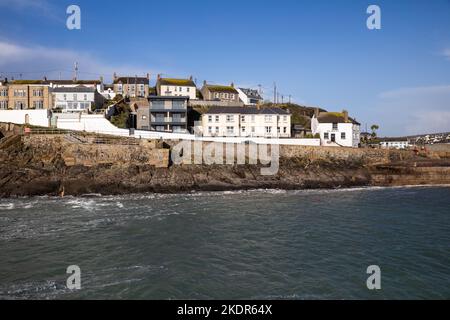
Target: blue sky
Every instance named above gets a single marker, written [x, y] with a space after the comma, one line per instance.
[320, 52]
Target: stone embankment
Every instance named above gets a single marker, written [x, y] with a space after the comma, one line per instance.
[77, 164]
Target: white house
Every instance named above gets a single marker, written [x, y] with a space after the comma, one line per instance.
[246, 122]
[249, 97]
[394, 144]
[336, 129]
[169, 87]
[76, 99]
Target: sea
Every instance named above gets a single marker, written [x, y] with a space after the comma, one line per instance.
[260, 244]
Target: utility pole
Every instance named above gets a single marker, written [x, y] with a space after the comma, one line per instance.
[275, 93]
[75, 72]
[282, 99]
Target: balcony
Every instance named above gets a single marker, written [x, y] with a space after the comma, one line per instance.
[167, 120]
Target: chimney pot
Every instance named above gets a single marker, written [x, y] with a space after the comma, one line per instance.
[345, 112]
[316, 112]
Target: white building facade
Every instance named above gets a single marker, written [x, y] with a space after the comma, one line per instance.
[246, 122]
[336, 129]
[75, 99]
[399, 144]
[168, 87]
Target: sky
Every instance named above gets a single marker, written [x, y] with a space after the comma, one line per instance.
[318, 51]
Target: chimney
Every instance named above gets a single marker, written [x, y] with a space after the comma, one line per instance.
[232, 84]
[101, 79]
[345, 113]
[115, 76]
[316, 112]
[159, 76]
[148, 76]
[204, 82]
[190, 78]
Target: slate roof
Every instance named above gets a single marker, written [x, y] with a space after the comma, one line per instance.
[131, 80]
[74, 89]
[251, 93]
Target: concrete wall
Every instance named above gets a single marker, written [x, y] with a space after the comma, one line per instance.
[36, 117]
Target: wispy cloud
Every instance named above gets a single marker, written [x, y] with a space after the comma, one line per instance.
[416, 110]
[40, 7]
[39, 61]
[446, 53]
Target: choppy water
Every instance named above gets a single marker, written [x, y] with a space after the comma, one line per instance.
[229, 245]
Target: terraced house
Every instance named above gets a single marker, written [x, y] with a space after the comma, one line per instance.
[132, 87]
[222, 93]
[24, 94]
[246, 122]
[167, 87]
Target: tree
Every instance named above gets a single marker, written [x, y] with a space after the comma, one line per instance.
[374, 129]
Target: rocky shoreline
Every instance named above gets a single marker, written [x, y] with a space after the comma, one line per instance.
[50, 165]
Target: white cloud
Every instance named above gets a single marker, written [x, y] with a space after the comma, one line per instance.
[446, 53]
[39, 61]
[417, 110]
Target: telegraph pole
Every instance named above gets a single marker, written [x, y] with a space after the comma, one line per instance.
[275, 93]
[75, 72]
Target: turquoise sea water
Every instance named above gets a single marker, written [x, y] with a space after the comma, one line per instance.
[264, 244]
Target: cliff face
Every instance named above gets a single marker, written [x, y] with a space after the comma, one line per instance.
[46, 165]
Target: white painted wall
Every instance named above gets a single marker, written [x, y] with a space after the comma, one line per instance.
[179, 91]
[36, 117]
[73, 101]
[352, 133]
[245, 125]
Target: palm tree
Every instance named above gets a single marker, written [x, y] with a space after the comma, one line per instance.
[374, 129]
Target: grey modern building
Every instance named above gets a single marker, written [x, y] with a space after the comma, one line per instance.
[165, 114]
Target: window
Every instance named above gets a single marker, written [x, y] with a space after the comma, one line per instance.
[267, 118]
[38, 104]
[209, 118]
[181, 89]
[3, 93]
[230, 130]
[65, 97]
[285, 118]
[217, 118]
[226, 95]
[210, 130]
[285, 130]
[85, 97]
[20, 93]
[335, 126]
[230, 118]
[217, 95]
[188, 89]
[19, 105]
[268, 129]
[242, 118]
[343, 135]
[75, 97]
[326, 135]
[3, 104]
[217, 130]
[253, 129]
[232, 96]
[243, 129]
[253, 118]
